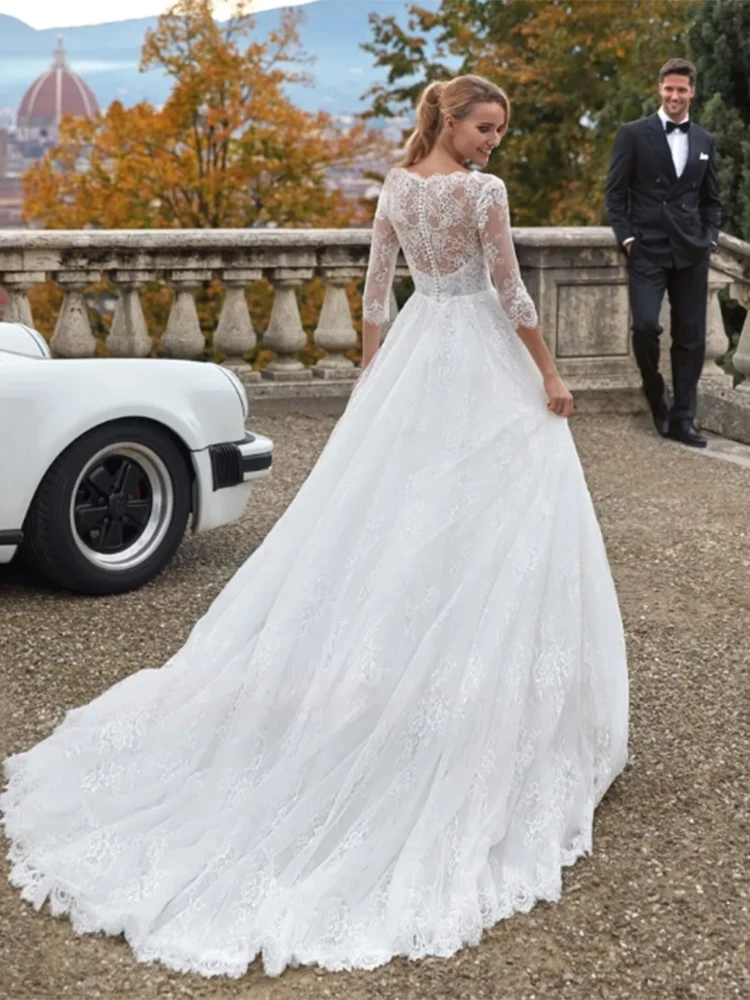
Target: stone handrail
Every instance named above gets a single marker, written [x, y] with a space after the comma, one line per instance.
[577, 277]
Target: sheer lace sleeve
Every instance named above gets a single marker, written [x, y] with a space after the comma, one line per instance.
[494, 230]
[382, 264]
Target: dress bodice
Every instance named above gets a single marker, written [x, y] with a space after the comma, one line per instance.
[454, 230]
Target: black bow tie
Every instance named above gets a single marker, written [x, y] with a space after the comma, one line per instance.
[683, 126]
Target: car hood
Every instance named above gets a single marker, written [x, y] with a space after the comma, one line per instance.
[18, 341]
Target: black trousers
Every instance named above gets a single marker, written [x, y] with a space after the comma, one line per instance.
[651, 275]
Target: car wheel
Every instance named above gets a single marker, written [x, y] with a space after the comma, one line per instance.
[111, 510]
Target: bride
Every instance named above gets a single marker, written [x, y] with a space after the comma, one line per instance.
[392, 727]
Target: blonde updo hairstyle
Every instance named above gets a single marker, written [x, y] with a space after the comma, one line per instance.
[456, 98]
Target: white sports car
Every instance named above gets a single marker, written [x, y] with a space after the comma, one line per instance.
[103, 461]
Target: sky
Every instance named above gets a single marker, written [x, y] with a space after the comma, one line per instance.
[53, 14]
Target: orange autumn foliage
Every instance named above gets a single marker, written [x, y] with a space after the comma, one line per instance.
[227, 149]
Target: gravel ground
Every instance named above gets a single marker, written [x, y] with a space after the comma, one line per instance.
[661, 910]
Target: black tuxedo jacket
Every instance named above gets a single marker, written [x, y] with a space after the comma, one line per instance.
[645, 199]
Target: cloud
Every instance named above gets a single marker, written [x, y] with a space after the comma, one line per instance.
[86, 66]
[356, 70]
[41, 14]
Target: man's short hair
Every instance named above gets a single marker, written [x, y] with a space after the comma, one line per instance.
[680, 66]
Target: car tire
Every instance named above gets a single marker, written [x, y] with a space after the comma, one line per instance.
[111, 510]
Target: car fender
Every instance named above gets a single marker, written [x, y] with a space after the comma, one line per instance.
[46, 405]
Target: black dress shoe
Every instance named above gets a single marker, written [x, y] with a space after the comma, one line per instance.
[661, 423]
[684, 432]
[660, 413]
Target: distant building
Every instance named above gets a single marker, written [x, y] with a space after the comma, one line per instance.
[11, 203]
[54, 94]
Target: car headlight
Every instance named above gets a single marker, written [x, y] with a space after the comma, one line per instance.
[238, 388]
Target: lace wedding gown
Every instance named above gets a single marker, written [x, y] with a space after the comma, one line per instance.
[392, 727]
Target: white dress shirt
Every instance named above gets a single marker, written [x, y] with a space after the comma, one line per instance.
[678, 143]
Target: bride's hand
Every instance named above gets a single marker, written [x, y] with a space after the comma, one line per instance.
[559, 400]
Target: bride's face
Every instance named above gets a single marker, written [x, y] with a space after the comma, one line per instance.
[475, 136]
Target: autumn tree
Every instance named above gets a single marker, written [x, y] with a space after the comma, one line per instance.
[573, 69]
[228, 148]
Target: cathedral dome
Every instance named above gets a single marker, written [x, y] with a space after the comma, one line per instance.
[56, 93]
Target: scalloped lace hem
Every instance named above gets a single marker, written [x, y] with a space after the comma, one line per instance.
[347, 955]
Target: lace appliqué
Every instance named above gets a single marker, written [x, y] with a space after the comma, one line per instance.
[455, 233]
[382, 265]
[494, 227]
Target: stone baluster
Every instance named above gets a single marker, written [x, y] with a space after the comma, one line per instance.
[717, 342]
[234, 334]
[334, 332]
[741, 357]
[128, 335]
[285, 334]
[183, 337]
[73, 337]
[17, 285]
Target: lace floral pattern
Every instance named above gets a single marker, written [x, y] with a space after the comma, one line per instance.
[393, 725]
[455, 233]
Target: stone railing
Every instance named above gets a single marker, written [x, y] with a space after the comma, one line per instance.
[576, 276]
[184, 259]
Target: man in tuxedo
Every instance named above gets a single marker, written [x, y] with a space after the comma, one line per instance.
[663, 203]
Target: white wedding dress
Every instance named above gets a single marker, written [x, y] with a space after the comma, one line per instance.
[392, 727]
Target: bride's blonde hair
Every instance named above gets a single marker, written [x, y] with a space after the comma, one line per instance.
[455, 97]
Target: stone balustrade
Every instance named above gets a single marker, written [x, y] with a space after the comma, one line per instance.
[184, 259]
[577, 277]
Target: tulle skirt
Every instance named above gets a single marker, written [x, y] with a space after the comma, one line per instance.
[392, 727]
